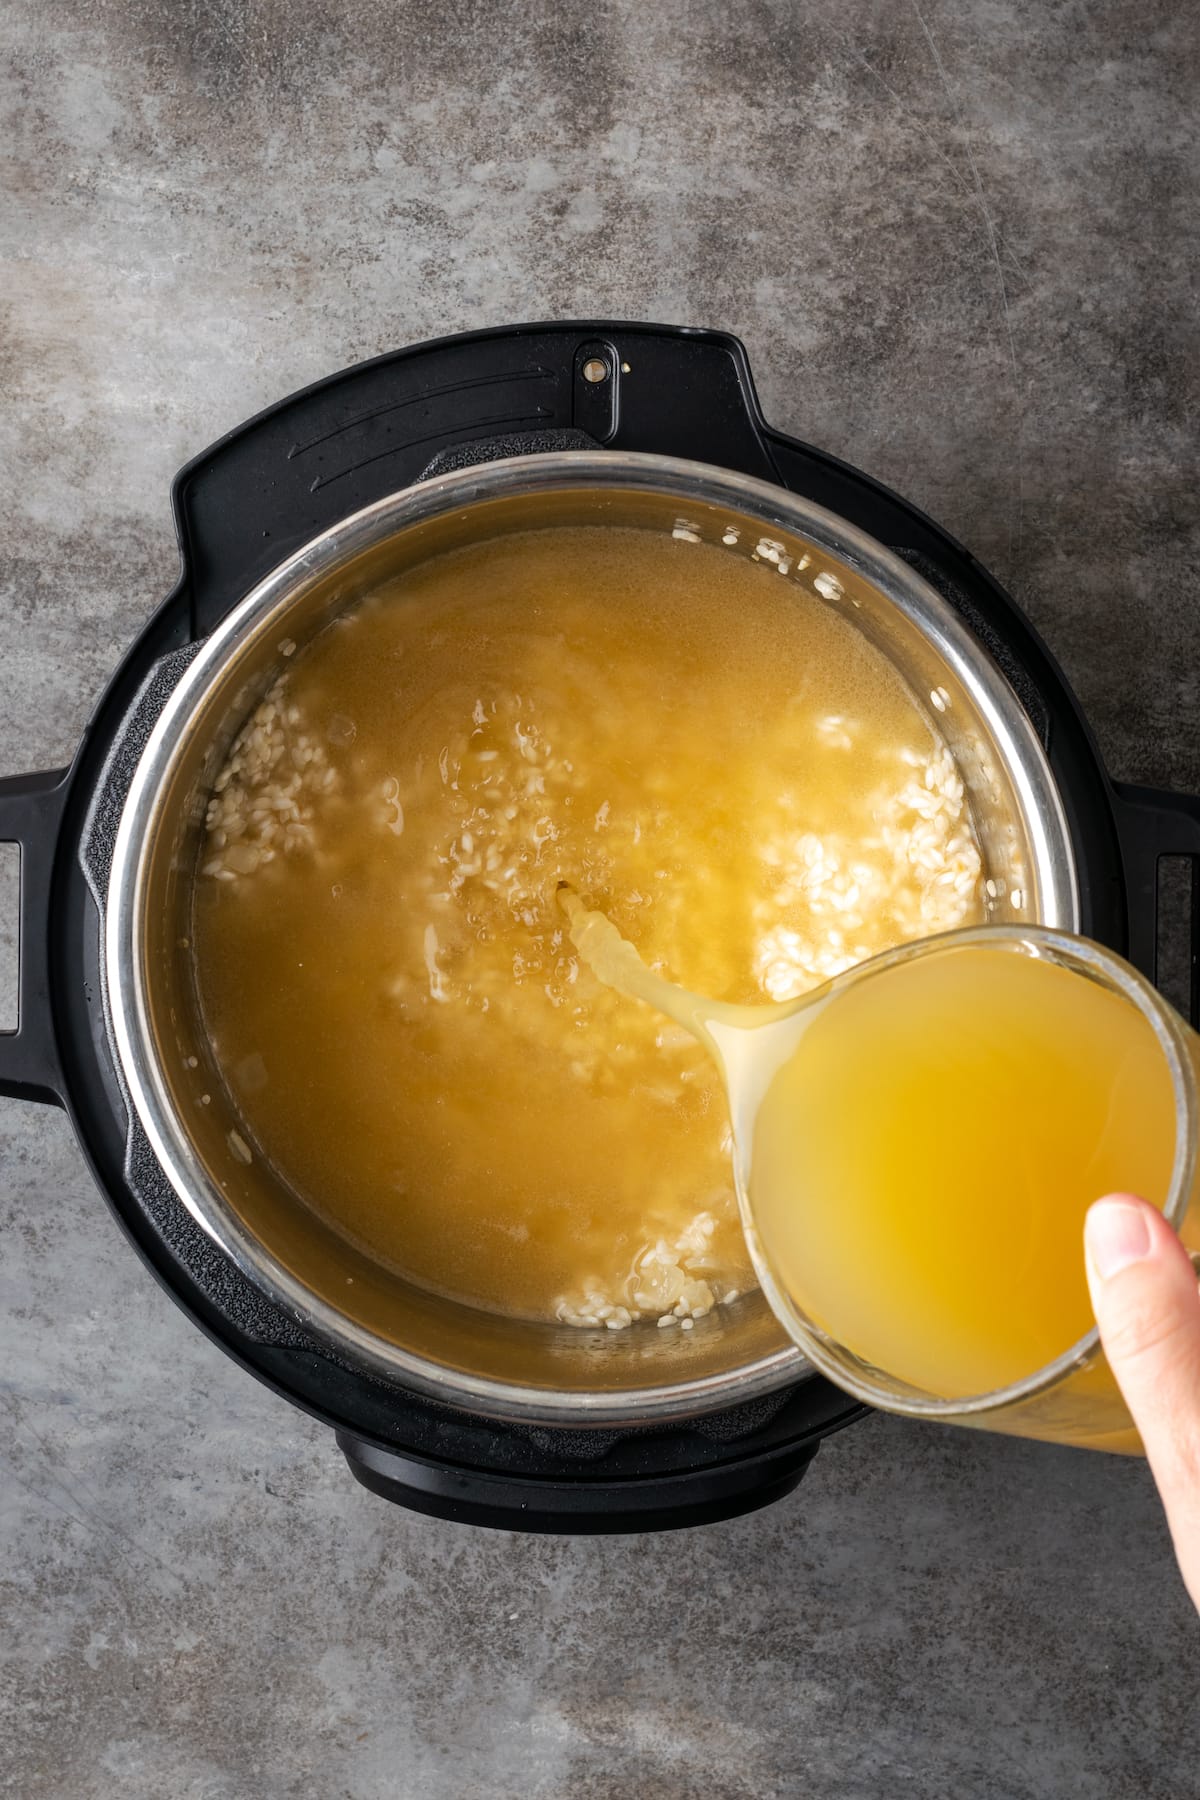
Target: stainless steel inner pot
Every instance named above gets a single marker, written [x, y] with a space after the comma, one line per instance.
[500, 1367]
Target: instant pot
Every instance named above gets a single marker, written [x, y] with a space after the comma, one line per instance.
[283, 524]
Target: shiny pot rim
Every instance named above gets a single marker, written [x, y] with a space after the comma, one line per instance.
[125, 969]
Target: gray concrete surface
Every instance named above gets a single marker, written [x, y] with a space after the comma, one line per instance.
[961, 242]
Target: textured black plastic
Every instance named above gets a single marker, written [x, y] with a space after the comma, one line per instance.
[567, 1508]
[31, 809]
[498, 449]
[106, 802]
[1152, 825]
[305, 464]
[648, 1479]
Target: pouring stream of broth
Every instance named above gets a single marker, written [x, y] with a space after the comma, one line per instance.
[916, 1144]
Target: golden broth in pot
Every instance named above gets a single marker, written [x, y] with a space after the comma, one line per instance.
[712, 756]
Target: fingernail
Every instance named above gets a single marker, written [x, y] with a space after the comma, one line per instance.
[1117, 1234]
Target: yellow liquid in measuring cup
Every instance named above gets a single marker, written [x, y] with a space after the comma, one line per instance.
[917, 1149]
[921, 1163]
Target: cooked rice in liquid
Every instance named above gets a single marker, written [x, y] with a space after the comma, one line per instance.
[714, 757]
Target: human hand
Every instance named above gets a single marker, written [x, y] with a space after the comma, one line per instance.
[1147, 1305]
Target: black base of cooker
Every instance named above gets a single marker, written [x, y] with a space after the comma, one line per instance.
[567, 1509]
[240, 509]
[589, 1482]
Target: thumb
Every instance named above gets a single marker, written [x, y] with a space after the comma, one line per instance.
[1147, 1305]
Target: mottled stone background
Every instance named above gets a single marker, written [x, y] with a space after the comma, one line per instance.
[961, 243]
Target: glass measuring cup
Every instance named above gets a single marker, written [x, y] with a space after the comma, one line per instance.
[1069, 1396]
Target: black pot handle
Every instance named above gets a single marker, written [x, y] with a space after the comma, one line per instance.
[1152, 824]
[281, 479]
[31, 808]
